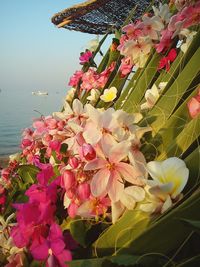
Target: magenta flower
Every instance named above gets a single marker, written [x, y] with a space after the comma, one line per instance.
[51, 248]
[85, 57]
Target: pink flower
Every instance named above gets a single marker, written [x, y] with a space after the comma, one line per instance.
[26, 143]
[165, 41]
[165, 61]
[192, 14]
[125, 67]
[51, 248]
[74, 80]
[187, 17]
[111, 170]
[194, 105]
[132, 30]
[94, 207]
[85, 57]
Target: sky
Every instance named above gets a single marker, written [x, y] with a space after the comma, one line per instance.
[34, 54]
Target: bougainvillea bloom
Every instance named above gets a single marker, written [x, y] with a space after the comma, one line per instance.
[51, 246]
[85, 57]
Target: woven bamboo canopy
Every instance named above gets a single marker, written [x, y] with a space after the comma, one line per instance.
[99, 16]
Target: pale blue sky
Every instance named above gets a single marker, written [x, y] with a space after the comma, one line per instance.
[34, 54]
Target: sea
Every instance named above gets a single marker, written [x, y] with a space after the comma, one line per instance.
[18, 109]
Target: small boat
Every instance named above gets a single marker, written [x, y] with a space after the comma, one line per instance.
[39, 93]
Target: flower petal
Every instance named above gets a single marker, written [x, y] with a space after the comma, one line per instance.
[91, 133]
[77, 107]
[135, 192]
[129, 173]
[95, 164]
[99, 183]
[119, 151]
[167, 204]
[115, 186]
[117, 210]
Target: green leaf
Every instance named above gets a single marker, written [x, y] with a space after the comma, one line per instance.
[144, 82]
[87, 263]
[78, 229]
[125, 260]
[63, 148]
[127, 90]
[129, 227]
[193, 225]
[183, 141]
[28, 173]
[192, 262]
[167, 233]
[168, 102]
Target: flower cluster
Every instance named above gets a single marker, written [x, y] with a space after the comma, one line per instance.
[158, 31]
[97, 154]
[91, 79]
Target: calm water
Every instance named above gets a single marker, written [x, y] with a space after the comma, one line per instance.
[17, 112]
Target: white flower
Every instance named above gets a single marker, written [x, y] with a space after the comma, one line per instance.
[151, 97]
[125, 124]
[93, 44]
[14, 157]
[128, 199]
[70, 94]
[76, 110]
[109, 94]
[162, 85]
[169, 177]
[94, 96]
[162, 12]
[189, 37]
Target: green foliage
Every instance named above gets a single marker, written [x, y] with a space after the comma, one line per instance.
[129, 227]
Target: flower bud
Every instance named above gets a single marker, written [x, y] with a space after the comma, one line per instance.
[84, 191]
[88, 152]
[67, 180]
[73, 162]
[72, 210]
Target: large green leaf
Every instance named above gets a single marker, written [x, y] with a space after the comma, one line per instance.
[129, 227]
[183, 141]
[168, 233]
[172, 128]
[192, 262]
[144, 82]
[168, 102]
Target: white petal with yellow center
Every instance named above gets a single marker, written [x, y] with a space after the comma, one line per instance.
[170, 171]
[109, 94]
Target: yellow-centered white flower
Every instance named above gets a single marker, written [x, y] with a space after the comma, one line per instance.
[109, 94]
[169, 177]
